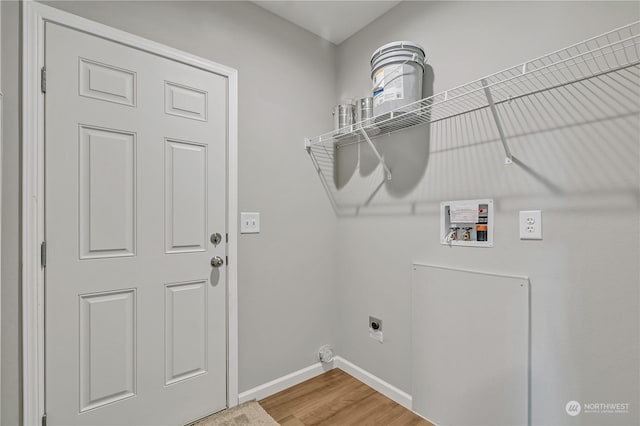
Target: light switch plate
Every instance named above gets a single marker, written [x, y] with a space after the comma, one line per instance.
[531, 225]
[249, 223]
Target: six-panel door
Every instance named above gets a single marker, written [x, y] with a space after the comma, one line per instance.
[135, 184]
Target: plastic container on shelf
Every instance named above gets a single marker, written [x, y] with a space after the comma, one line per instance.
[396, 73]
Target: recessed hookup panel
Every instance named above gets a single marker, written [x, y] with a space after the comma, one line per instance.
[467, 223]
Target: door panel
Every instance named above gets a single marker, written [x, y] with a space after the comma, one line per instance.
[186, 196]
[135, 181]
[107, 348]
[108, 83]
[186, 331]
[107, 193]
[185, 101]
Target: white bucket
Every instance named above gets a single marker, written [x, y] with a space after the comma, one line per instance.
[396, 72]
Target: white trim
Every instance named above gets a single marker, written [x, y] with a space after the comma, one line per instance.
[285, 382]
[32, 218]
[1, 149]
[232, 245]
[281, 383]
[470, 271]
[425, 418]
[387, 389]
[34, 17]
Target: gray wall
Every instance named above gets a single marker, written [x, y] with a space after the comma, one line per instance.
[584, 274]
[10, 179]
[285, 89]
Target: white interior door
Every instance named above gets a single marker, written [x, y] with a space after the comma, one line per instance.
[135, 185]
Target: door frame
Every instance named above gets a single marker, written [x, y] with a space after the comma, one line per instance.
[1, 153]
[34, 16]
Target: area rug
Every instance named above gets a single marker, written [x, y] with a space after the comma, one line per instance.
[249, 413]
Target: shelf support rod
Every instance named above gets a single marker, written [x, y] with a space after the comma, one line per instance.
[376, 153]
[325, 184]
[487, 91]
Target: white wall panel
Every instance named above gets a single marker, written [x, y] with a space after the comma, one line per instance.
[470, 347]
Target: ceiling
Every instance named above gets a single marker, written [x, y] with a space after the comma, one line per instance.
[332, 20]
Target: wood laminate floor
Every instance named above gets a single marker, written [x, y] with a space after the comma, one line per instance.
[336, 398]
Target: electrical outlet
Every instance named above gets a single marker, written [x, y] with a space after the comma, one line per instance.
[531, 225]
[375, 323]
[249, 223]
[375, 329]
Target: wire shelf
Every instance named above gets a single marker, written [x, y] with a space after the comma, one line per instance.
[589, 82]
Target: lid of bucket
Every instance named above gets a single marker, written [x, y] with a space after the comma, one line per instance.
[385, 60]
[397, 45]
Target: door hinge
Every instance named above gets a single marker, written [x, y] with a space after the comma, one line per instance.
[226, 260]
[43, 80]
[43, 254]
[44, 419]
[226, 237]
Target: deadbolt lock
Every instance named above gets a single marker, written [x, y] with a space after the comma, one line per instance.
[216, 238]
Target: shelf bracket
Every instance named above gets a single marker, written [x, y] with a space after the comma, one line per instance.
[376, 153]
[487, 91]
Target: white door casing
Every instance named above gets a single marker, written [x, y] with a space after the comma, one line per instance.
[1, 149]
[180, 153]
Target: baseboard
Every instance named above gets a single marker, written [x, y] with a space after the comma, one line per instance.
[284, 382]
[373, 381]
[292, 379]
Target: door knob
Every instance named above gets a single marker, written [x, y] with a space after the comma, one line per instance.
[216, 238]
[217, 261]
